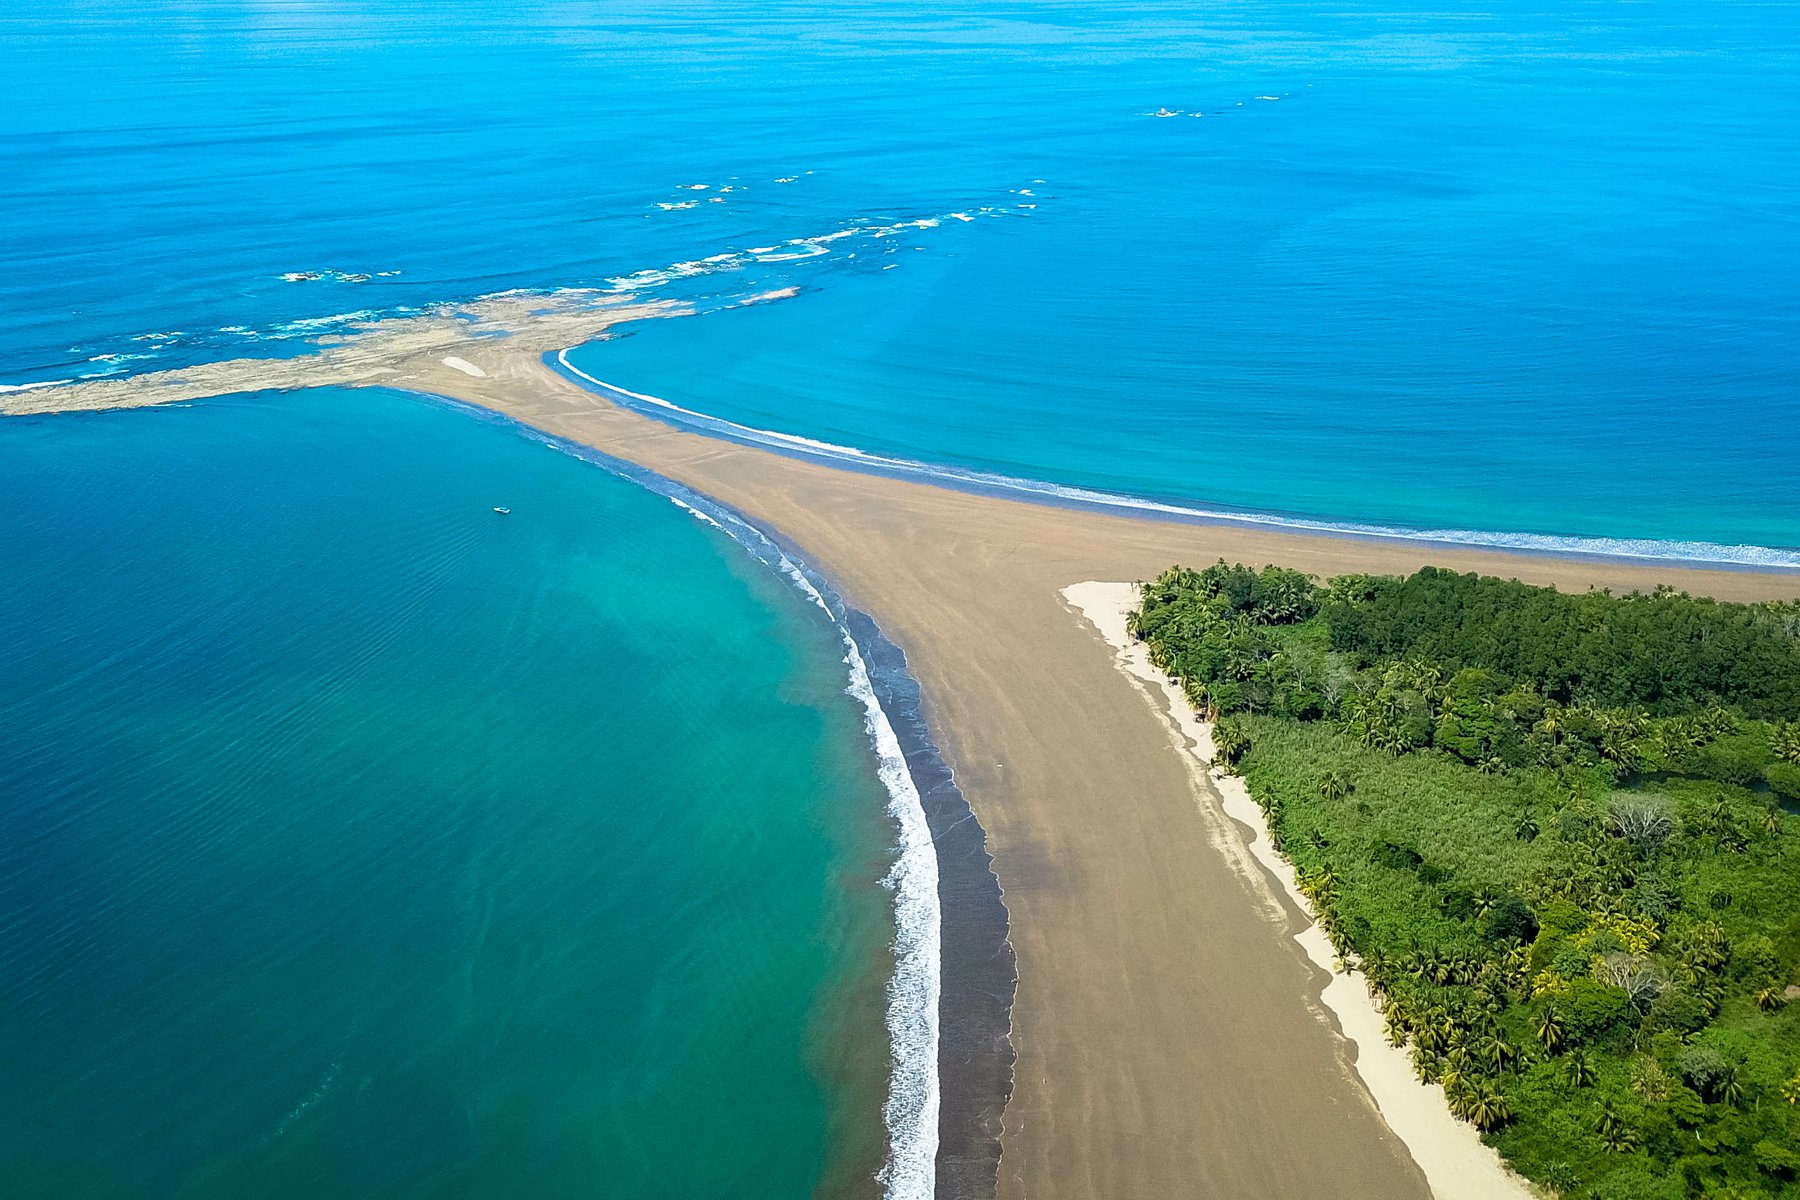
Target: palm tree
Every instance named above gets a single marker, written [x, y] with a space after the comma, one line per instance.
[1618, 741]
[1551, 727]
[1488, 1109]
[1731, 1087]
[1527, 829]
[1336, 785]
[1579, 1069]
[1485, 900]
[1771, 998]
[1785, 741]
[1517, 967]
[1460, 1098]
[1375, 968]
[1790, 1091]
[1230, 742]
[1494, 1052]
[1550, 1028]
[1615, 1134]
[1718, 820]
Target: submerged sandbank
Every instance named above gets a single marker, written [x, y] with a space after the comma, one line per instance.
[383, 351]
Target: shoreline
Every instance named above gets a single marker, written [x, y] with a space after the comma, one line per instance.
[1577, 547]
[943, 1127]
[551, 324]
[1165, 1031]
[1456, 1162]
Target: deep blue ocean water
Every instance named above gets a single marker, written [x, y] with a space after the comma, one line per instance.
[1526, 267]
[360, 841]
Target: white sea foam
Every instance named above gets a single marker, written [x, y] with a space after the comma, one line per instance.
[793, 255]
[697, 514]
[786, 293]
[764, 436]
[1640, 549]
[330, 275]
[915, 990]
[818, 246]
[307, 325]
[32, 387]
[793, 250]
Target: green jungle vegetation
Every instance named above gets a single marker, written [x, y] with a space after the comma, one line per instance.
[1556, 832]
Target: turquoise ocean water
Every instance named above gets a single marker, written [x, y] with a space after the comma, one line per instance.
[361, 841]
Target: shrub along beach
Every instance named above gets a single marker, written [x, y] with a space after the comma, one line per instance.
[1556, 833]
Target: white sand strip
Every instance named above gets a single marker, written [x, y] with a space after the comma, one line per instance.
[465, 366]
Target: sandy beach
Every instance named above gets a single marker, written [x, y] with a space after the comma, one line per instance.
[1448, 1151]
[1173, 1037]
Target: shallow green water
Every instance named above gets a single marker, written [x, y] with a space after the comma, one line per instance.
[356, 840]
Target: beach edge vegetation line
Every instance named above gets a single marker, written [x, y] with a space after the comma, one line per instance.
[1556, 833]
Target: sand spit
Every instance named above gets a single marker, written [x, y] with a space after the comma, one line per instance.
[1171, 1037]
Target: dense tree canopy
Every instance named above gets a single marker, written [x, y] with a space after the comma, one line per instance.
[1551, 831]
[1664, 651]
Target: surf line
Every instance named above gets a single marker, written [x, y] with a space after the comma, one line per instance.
[1674, 553]
[949, 1001]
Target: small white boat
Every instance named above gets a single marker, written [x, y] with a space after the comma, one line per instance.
[502, 511]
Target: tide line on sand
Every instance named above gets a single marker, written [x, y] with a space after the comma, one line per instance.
[1449, 1152]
